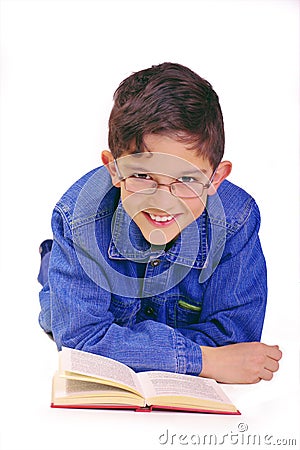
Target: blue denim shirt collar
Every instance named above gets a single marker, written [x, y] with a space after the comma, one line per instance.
[136, 248]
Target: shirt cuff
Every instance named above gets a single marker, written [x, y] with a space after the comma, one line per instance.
[189, 355]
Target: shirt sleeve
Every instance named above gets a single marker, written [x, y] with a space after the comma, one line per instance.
[234, 299]
[80, 317]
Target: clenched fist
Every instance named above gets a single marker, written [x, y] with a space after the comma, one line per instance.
[247, 362]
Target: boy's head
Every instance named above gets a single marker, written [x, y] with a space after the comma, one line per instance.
[166, 138]
[171, 100]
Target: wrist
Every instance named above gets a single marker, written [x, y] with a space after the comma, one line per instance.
[208, 356]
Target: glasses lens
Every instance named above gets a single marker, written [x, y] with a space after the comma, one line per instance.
[183, 190]
[133, 184]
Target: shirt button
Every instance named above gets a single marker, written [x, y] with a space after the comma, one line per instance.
[149, 311]
[155, 262]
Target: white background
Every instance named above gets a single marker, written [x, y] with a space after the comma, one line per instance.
[60, 64]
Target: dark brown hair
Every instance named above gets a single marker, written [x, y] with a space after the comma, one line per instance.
[168, 99]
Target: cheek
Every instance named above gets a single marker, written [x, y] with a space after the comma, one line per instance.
[132, 203]
[194, 207]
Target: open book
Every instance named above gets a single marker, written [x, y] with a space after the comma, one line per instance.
[86, 380]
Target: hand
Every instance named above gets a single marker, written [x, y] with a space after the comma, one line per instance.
[247, 362]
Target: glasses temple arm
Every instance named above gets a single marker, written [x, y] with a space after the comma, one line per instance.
[117, 170]
[208, 184]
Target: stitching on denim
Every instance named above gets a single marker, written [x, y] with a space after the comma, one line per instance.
[126, 301]
[237, 222]
[64, 210]
[86, 220]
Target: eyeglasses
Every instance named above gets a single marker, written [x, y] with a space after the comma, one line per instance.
[148, 186]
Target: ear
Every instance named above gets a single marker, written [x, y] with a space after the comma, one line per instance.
[109, 162]
[222, 172]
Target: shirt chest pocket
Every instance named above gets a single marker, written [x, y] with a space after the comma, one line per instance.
[124, 310]
[186, 313]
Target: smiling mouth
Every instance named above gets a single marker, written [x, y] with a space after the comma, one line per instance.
[160, 220]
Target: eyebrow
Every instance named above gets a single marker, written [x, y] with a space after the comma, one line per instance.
[194, 171]
[136, 168]
[183, 173]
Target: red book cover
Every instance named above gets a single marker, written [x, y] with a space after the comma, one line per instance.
[146, 408]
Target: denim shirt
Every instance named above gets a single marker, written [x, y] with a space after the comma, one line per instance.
[111, 293]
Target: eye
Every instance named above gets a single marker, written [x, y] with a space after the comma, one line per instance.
[187, 179]
[142, 176]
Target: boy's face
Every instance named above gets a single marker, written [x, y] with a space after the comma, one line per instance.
[161, 215]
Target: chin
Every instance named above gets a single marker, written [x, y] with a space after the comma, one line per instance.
[160, 235]
[157, 237]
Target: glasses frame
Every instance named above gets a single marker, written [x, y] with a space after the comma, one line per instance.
[169, 186]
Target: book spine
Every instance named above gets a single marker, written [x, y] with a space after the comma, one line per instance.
[144, 409]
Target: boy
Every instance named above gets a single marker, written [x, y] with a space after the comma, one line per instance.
[156, 260]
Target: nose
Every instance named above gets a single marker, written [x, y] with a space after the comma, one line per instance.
[164, 186]
[163, 198]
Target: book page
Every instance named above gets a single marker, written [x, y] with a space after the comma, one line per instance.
[76, 392]
[173, 384]
[100, 367]
[78, 388]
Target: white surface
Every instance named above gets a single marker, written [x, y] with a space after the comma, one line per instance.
[60, 63]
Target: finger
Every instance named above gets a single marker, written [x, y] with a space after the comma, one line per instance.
[274, 352]
[271, 364]
[266, 375]
[257, 380]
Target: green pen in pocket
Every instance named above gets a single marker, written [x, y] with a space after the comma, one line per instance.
[188, 306]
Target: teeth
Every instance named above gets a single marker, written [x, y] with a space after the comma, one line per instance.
[161, 218]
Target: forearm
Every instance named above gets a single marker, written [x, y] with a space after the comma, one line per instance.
[146, 346]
